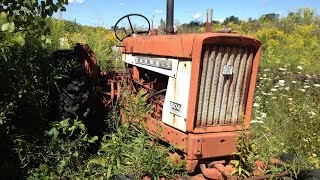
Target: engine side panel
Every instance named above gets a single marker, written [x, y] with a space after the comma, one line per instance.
[176, 101]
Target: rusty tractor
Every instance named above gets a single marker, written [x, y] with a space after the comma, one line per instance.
[201, 87]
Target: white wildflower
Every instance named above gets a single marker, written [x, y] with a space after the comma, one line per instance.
[256, 105]
[287, 88]
[290, 99]
[281, 82]
[316, 85]
[314, 155]
[263, 115]
[299, 67]
[307, 139]
[306, 87]
[255, 121]
[282, 69]
[273, 90]
[302, 90]
[294, 82]
[311, 114]
[266, 70]
[276, 86]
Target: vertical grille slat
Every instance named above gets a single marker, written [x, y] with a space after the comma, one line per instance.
[226, 88]
[221, 82]
[235, 110]
[221, 98]
[202, 84]
[245, 81]
[208, 84]
[213, 90]
[238, 53]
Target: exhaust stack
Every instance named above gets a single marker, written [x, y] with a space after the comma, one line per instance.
[209, 20]
[170, 15]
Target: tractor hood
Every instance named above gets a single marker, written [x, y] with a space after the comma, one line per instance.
[182, 45]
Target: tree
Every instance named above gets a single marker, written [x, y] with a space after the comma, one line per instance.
[162, 26]
[270, 17]
[20, 15]
[231, 19]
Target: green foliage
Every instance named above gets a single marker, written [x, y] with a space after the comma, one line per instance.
[64, 156]
[131, 151]
[231, 19]
[286, 115]
[270, 17]
[66, 34]
[135, 107]
[244, 158]
[21, 14]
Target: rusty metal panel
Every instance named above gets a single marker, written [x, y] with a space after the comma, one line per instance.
[222, 97]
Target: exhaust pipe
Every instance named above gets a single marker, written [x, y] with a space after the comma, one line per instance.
[209, 20]
[170, 14]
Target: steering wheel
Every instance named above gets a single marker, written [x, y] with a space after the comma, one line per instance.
[128, 34]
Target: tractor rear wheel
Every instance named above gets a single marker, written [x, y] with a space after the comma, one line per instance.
[72, 85]
[313, 174]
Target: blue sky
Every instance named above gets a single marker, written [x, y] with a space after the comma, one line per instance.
[106, 12]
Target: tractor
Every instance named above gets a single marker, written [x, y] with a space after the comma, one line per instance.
[201, 87]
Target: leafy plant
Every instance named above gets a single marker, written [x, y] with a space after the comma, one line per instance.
[65, 155]
[244, 157]
[130, 150]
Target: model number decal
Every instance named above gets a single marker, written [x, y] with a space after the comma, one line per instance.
[175, 108]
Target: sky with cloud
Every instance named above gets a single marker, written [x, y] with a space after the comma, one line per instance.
[107, 12]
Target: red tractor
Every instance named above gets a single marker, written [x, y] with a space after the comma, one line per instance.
[201, 87]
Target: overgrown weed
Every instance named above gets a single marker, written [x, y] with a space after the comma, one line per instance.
[130, 150]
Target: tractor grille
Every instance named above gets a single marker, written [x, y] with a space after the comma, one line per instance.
[222, 97]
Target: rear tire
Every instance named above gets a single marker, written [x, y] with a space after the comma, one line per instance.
[72, 86]
[313, 174]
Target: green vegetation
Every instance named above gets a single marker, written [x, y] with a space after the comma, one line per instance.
[36, 145]
[65, 34]
[130, 150]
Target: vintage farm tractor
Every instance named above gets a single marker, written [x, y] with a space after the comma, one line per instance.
[200, 85]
